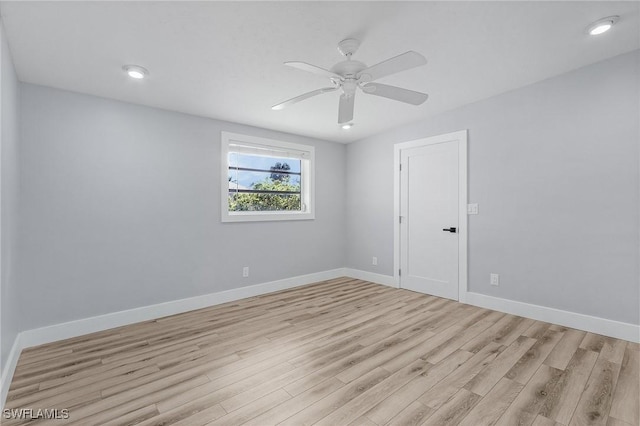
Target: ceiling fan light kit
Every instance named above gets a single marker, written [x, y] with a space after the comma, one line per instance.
[350, 75]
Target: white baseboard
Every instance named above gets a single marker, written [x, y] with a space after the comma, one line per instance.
[40, 336]
[80, 327]
[606, 327]
[83, 326]
[372, 277]
[9, 368]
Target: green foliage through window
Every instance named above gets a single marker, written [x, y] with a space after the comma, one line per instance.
[279, 189]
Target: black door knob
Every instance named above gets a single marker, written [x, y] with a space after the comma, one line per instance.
[453, 230]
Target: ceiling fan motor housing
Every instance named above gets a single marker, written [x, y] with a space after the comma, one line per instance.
[348, 68]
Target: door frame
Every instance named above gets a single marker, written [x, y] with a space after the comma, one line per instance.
[461, 138]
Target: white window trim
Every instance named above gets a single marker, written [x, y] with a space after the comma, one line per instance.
[307, 171]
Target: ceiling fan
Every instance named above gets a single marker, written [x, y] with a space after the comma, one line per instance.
[350, 75]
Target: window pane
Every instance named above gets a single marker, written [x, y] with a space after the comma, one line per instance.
[259, 162]
[259, 183]
[265, 179]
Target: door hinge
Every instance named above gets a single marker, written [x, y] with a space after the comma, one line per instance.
[400, 166]
[400, 219]
[399, 272]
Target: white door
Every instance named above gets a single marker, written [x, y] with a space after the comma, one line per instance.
[429, 209]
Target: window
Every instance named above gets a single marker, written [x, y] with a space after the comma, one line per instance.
[264, 179]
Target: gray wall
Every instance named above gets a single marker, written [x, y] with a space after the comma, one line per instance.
[119, 204]
[120, 208]
[554, 168]
[9, 307]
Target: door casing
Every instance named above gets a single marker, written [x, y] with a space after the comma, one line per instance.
[461, 138]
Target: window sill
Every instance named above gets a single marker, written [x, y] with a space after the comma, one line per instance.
[265, 216]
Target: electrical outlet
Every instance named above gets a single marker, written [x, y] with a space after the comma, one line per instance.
[472, 208]
[374, 260]
[245, 271]
[495, 279]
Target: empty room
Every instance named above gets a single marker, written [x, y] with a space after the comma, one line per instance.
[357, 213]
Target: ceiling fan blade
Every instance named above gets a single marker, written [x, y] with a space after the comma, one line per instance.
[396, 64]
[345, 109]
[313, 69]
[307, 95]
[395, 93]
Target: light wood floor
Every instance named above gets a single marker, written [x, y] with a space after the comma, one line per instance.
[340, 352]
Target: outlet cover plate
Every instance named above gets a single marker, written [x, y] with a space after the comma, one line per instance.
[495, 279]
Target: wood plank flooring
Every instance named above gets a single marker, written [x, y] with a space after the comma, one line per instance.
[339, 352]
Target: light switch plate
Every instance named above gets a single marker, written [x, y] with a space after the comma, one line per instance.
[472, 208]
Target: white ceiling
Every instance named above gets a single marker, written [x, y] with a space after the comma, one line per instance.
[224, 59]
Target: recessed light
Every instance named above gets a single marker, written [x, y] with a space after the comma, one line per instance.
[347, 126]
[602, 25]
[135, 71]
